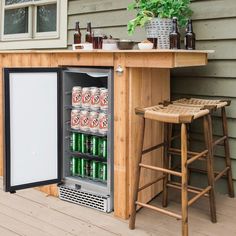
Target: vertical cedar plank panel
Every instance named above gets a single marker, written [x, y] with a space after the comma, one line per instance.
[147, 87]
[121, 139]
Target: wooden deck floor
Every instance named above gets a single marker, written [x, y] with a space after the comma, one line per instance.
[32, 213]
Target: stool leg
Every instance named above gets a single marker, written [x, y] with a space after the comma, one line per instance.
[137, 176]
[207, 124]
[184, 191]
[227, 154]
[166, 165]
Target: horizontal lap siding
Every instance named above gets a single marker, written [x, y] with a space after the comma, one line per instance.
[108, 15]
[214, 25]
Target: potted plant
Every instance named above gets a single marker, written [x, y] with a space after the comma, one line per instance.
[156, 16]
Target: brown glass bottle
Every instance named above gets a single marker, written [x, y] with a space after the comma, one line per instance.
[77, 34]
[190, 37]
[88, 35]
[175, 36]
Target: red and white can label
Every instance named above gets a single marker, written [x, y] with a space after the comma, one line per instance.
[103, 123]
[86, 97]
[104, 99]
[84, 120]
[75, 119]
[76, 96]
[93, 121]
[95, 98]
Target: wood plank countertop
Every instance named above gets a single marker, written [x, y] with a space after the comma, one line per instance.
[108, 51]
[131, 58]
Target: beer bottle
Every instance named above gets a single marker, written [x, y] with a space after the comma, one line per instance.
[88, 35]
[190, 38]
[175, 36]
[77, 34]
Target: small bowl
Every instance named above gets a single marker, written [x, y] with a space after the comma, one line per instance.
[145, 46]
[125, 44]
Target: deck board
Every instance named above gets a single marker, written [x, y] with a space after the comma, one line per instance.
[31, 212]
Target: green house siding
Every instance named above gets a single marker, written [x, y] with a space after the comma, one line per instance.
[110, 16]
[214, 25]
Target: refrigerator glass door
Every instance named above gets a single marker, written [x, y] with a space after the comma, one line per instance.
[32, 127]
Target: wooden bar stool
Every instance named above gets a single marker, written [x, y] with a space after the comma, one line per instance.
[217, 104]
[183, 115]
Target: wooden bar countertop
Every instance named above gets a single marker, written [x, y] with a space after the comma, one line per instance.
[141, 78]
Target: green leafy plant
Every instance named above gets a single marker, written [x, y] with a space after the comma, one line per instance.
[149, 9]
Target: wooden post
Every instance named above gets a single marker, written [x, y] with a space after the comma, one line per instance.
[227, 153]
[207, 124]
[166, 164]
[184, 171]
[137, 176]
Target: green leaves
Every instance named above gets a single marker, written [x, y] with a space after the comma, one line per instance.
[148, 9]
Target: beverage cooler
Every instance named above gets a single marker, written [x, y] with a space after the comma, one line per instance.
[59, 129]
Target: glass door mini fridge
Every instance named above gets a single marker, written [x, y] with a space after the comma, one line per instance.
[42, 142]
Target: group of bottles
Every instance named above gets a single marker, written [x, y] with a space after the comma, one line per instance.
[78, 35]
[189, 39]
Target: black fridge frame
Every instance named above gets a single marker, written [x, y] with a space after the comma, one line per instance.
[6, 122]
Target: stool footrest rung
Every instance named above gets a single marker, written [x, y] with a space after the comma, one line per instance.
[194, 158]
[202, 193]
[176, 151]
[151, 183]
[191, 189]
[219, 141]
[220, 174]
[217, 174]
[169, 213]
[161, 169]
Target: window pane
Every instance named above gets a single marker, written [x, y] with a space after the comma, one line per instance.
[16, 21]
[10, 2]
[47, 18]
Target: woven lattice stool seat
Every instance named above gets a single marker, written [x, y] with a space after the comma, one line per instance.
[173, 113]
[202, 102]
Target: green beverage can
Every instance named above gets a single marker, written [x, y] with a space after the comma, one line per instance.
[94, 145]
[102, 148]
[85, 143]
[79, 142]
[85, 168]
[94, 170]
[74, 142]
[79, 162]
[102, 171]
[73, 166]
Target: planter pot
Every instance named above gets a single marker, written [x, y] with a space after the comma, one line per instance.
[160, 29]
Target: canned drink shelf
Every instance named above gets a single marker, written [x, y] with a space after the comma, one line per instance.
[87, 156]
[70, 107]
[87, 132]
[89, 179]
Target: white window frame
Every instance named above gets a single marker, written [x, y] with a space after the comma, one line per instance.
[33, 39]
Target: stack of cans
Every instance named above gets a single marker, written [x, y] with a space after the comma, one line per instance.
[92, 98]
[89, 113]
[89, 144]
[94, 170]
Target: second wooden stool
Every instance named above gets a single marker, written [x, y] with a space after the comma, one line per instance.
[216, 105]
[183, 115]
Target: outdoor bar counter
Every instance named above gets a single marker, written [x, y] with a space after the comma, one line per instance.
[141, 78]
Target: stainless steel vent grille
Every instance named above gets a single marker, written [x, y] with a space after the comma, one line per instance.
[97, 202]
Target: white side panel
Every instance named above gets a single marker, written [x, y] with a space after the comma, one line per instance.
[33, 127]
